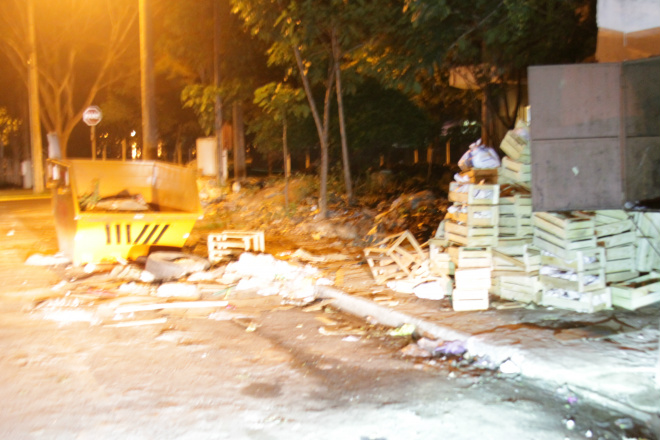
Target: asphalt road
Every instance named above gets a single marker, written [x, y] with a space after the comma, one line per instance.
[257, 369]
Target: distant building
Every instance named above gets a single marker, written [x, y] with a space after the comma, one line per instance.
[627, 30]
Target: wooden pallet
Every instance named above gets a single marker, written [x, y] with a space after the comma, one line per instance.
[226, 243]
[395, 257]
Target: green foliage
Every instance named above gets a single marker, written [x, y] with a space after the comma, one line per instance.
[8, 126]
[201, 98]
[379, 118]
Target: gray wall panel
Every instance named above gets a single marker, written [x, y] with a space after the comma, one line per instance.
[642, 172]
[576, 174]
[575, 101]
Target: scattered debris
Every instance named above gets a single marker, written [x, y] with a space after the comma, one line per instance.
[178, 290]
[226, 243]
[47, 260]
[404, 330]
[166, 265]
[138, 323]
[509, 367]
[171, 305]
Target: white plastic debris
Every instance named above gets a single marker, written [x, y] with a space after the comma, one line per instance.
[47, 260]
[207, 275]
[402, 286]
[272, 276]
[435, 290]
[178, 290]
[509, 367]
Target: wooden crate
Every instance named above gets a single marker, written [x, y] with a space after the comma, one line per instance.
[517, 172]
[468, 257]
[471, 236]
[439, 261]
[613, 228]
[469, 294]
[476, 215]
[579, 284]
[474, 194]
[464, 305]
[605, 216]
[617, 240]
[569, 249]
[564, 226]
[585, 260]
[620, 252]
[617, 277]
[638, 292]
[481, 175]
[395, 257]
[519, 295]
[529, 260]
[473, 278]
[225, 243]
[585, 302]
[515, 147]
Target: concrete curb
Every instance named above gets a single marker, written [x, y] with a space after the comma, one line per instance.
[535, 367]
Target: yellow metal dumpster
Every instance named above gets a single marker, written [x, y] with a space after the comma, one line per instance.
[93, 224]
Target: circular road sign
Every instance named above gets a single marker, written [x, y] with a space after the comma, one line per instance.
[92, 115]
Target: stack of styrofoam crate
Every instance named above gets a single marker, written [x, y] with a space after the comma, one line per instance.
[473, 219]
[516, 165]
[515, 213]
[647, 227]
[572, 266]
[615, 233]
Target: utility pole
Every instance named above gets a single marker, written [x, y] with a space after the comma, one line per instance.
[149, 128]
[33, 93]
[220, 148]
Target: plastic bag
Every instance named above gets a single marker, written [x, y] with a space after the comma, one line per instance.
[479, 156]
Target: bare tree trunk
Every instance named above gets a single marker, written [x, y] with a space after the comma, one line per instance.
[322, 127]
[240, 172]
[285, 153]
[336, 53]
[220, 148]
[149, 127]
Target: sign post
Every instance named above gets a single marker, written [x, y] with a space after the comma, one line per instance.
[92, 116]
